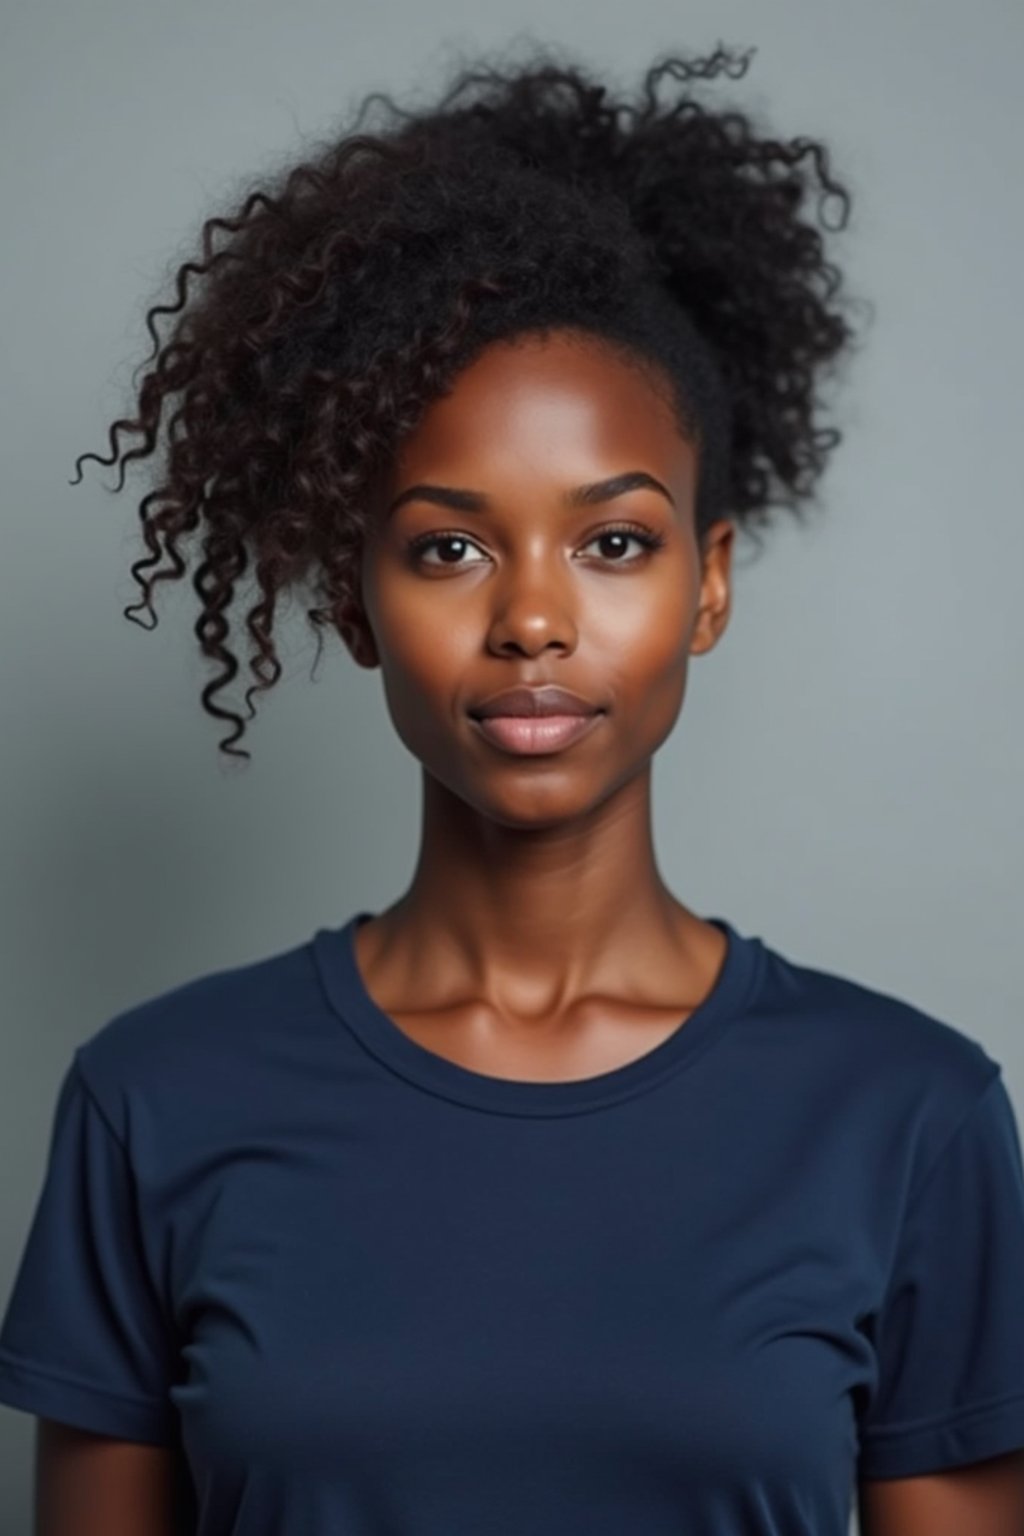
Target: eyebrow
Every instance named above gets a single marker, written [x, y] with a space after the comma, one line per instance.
[579, 496]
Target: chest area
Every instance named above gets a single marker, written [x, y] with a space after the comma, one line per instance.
[520, 1295]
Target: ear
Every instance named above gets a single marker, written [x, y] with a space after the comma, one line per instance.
[354, 628]
[716, 588]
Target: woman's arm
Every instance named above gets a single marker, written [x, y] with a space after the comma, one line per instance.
[983, 1499]
[93, 1485]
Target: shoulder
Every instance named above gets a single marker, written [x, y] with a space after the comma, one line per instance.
[195, 1040]
[878, 1054]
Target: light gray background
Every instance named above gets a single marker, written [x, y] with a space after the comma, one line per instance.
[845, 778]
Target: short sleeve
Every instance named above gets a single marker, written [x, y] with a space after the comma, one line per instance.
[950, 1336]
[83, 1339]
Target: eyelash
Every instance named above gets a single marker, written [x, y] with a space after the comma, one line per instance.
[645, 536]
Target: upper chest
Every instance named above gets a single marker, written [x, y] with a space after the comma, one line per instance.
[596, 1034]
[599, 1040]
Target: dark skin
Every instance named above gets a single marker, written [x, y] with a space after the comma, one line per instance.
[554, 948]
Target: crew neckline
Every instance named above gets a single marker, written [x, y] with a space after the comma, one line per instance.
[335, 956]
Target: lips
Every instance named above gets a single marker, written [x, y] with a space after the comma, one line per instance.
[546, 700]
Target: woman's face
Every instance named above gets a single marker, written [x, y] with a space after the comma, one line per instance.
[516, 580]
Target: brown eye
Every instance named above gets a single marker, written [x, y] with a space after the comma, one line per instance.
[425, 541]
[620, 535]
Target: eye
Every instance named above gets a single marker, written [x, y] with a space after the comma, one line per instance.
[428, 540]
[617, 535]
[646, 537]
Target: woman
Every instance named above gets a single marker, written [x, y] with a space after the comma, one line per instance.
[536, 1203]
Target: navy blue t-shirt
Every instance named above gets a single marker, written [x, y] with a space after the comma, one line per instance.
[365, 1291]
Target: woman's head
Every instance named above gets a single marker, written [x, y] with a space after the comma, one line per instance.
[537, 527]
[352, 301]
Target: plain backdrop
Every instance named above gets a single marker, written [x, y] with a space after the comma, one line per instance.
[845, 778]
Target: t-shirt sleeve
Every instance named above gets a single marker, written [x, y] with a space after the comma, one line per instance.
[84, 1339]
[950, 1335]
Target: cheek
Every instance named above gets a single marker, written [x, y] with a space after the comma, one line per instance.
[642, 654]
[423, 638]
[640, 637]
[427, 654]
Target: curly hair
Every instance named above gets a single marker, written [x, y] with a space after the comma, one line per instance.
[350, 292]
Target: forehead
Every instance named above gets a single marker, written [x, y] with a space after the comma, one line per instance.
[546, 403]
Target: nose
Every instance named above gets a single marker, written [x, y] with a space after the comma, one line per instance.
[532, 610]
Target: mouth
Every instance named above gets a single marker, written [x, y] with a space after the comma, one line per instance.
[536, 735]
[532, 699]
